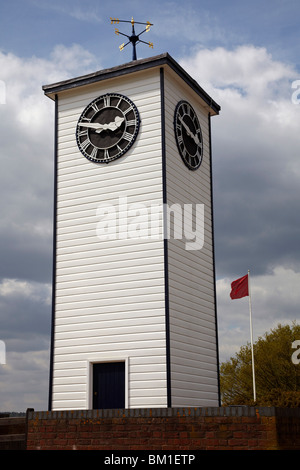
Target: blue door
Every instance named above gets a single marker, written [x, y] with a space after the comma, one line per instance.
[109, 385]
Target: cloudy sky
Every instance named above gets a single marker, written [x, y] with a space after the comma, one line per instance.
[246, 55]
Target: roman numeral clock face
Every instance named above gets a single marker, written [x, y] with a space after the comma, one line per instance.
[188, 135]
[107, 128]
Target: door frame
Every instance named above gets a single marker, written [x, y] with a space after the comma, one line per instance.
[96, 360]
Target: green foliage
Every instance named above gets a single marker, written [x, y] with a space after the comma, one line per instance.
[277, 378]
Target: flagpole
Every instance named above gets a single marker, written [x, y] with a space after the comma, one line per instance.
[251, 336]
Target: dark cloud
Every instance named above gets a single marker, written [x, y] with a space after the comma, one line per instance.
[256, 225]
[25, 254]
[255, 143]
[25, 310]
[25, 319]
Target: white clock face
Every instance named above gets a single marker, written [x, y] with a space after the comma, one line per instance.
[188, 135]
[107, 128]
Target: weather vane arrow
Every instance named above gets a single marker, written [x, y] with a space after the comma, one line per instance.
[134, 39]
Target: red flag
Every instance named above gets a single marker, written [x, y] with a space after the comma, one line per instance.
[239, 288]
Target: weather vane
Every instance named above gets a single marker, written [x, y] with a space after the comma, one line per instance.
[134, 38]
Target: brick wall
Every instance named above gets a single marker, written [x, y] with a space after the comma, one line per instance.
[224, 428]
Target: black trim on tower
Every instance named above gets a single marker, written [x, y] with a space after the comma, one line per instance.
[166, 267]
[53, 255]
[213, 254]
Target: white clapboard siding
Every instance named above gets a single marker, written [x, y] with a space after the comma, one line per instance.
[191, 277]
[109, 293]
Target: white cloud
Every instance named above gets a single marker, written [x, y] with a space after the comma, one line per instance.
[24, 78]
[33, 290]
[26, 155]
[248, 68]
[252, 88]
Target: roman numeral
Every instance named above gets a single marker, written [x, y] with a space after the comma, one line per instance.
[178, 127]
[107, 101]
[128, 109]
[130, 123]
[119, 102]
[83, 133]
[94, 153]
[127, 136]
[95, 107]
[85, 144]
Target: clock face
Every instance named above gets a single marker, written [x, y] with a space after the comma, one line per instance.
[188, 135]
[107, 128]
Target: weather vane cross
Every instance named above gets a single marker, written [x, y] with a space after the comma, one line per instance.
[134, 38]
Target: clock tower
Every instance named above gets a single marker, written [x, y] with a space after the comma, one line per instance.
[134, 305]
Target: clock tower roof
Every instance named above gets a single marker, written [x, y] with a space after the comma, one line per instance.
[130, 67]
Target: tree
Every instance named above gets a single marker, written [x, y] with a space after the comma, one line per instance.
[277, 377]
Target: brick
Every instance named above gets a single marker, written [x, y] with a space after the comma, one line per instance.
[165, 429]
[238, 442]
